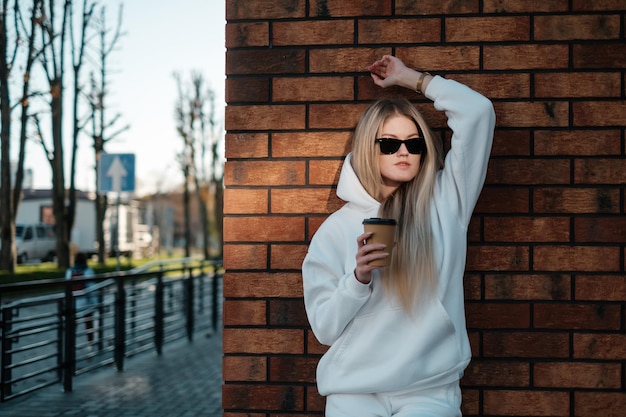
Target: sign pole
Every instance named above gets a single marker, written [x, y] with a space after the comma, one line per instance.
[116, 175]
[117, 232]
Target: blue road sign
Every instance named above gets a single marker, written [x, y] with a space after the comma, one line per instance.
[116, 172]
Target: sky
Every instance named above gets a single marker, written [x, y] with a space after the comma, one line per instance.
[161, 37]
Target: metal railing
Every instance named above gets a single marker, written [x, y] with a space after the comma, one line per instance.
[52, 338]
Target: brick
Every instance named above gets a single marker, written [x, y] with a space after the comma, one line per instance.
[497, 258]
[515, 6]
[475, 343]
[263, 397]
[594, 404]
[310, 144]
[258, 284]
[532, 114]
[246, 145]
[497, 373]
[287, 256]
[312, 89]
[600, 346]
[577, 142]
[239, 35]
[248, 90]
[566, 27]
[313, 223]
[441, 58]
[600, 171]
[287, 313]
[578, 84]
[263, 229]
[324, 172]
[341, 60]
[503, 200]
[515, 86]
[313, 32]
[526, 229]
[598, 5]
[264, 173]
[297, 200]
[368, 91]
[245, 256]
[244, 368]
[276, 117]
[315, 402]
[525, 345]
[426, 7]
[265, 9]
[527, 56]
[576, 258]
[474, 231]
[528, 171]
[575, 200]
[526, 403]
[599, 55]
[314, 347]
[497, 315]
[245, 201]
[577, 375]
[527, 287]
[334, 116]
[601, 230]
[487, 29]
[240, 313]
[292, 369]
[472, 286]
[323, 8]
[471, 401]
[265, 61]
[576, 316]
[605, 113]
[601, 287]
[266, 341]
[373, 31]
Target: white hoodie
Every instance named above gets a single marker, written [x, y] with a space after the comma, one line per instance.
[375, 346]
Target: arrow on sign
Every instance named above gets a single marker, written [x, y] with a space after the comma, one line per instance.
[117, 171]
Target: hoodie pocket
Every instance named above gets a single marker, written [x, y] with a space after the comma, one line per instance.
[390, 350]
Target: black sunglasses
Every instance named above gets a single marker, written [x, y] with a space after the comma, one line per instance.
[390, 146]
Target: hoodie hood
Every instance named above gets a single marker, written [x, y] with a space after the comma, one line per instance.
[350, 189]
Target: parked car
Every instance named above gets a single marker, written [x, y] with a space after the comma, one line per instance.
[35, 241]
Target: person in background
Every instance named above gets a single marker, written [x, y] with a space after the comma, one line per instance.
[84, 303]
[398, 343]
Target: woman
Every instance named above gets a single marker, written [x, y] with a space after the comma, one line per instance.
[397, 335]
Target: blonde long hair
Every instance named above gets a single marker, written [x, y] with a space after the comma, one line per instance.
[412, 275]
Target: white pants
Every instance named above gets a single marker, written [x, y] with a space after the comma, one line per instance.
[444, 401]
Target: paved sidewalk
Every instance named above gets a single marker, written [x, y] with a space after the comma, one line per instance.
[185, 381]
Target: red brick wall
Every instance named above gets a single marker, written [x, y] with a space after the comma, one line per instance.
[545, 281]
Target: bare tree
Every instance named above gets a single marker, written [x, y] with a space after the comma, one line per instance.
[103, 128]
[196, 125]
[185, 157]
[216, 135]
[54, 31]
[10, 196]
[78, 46]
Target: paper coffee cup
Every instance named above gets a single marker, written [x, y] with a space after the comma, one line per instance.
[383, 231]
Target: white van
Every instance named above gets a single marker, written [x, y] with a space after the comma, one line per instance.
[35, 241]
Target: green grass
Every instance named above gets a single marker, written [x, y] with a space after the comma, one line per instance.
[49, 270]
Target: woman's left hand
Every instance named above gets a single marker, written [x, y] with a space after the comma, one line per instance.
[385, 71]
